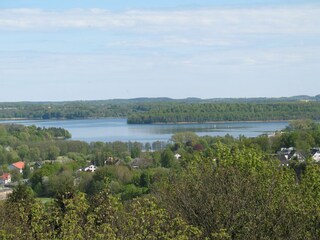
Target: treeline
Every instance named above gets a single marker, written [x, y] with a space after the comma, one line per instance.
[208, 112]
[10, 133]
[146, 110]
[65, 110]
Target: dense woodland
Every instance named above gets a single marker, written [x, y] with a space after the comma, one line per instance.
[164, 110]
[209, 112]
[65, 110]
[220, 188]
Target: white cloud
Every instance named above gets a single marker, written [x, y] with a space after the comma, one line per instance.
[208, 47]
[290, 20]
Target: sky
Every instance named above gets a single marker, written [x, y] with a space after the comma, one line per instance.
[66, 50]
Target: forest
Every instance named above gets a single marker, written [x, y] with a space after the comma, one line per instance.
[210, 112]
[189, 188]
[165, 110]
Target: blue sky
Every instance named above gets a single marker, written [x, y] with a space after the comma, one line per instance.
[82, 50]
[146, 4]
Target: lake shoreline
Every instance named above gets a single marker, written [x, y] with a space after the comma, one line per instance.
[156, 123]
[117, 129]
[57, 119]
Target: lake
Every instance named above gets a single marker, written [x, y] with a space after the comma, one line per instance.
[109, 130]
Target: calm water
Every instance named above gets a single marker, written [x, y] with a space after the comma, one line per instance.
[109, 130]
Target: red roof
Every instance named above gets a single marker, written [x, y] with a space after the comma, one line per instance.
[19, 165]
[5, 176]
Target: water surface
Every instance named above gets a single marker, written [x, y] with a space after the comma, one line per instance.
[109, 130]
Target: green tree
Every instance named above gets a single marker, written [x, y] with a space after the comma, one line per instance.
[136, 150]
[26, 172]
[53, 152]
[23, 151]
[239, 196]
[34, 154]
[184, 138]
[61, 185]
[167, 158]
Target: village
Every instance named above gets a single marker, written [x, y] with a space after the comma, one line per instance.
[8, 179]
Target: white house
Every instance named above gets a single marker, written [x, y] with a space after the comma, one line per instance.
[91, 168]
[315, 154]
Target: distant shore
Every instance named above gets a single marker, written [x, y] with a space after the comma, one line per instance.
[15, 119]
[213, 122]
[55, 119]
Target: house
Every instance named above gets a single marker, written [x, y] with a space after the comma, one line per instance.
[8, 149]
[17, 166]
[140, 163]
[285, 155]
[284, 161]
[112, 161]
[5, 178]
[38, 165]
[316, 157]
[315, 153]
[91, 168]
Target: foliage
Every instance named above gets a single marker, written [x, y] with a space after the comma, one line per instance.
[208, 112]
[167, 158]
[29, 143]
[239, 199]
[169, 110]
[105, 218]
